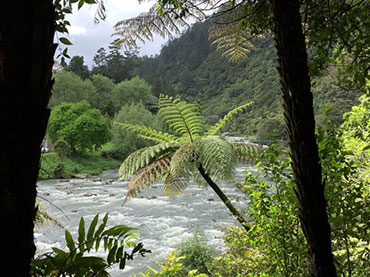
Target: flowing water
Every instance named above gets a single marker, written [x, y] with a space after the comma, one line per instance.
[161, 221]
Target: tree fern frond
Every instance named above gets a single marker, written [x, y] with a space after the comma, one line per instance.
[183, 118]
[217, 157]
[222, 122]
[143, 157]
[183, 162]
[246, 151]
[147, 175]
[165, 23]
[147, 132]
[232, 40]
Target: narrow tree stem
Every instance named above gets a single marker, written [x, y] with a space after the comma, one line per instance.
[224, 198]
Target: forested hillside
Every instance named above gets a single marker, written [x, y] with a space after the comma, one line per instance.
[192, 68]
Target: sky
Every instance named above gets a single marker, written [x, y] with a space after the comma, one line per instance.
[87, 37]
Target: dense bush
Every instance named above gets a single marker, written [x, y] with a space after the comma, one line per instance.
[81, 127]
[125, 141]
[197, 253]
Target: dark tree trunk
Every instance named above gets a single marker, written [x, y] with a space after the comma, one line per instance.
[224, 198]
[299, 116]
[26, 59]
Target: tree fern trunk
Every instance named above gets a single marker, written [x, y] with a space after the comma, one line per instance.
[299, 115]
[26, 59]
[224, 198]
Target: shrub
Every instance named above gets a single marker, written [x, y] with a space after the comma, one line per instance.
[197, 253]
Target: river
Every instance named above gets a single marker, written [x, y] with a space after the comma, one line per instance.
[161, 221]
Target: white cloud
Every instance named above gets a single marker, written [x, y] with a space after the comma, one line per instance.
[88, 37]
[76, 30]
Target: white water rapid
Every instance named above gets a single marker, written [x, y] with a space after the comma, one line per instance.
[161, 221]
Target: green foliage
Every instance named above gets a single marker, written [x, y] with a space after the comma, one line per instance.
[275, 240]
[103, 101]
[347, 190]
[124, 136]
[131, 91]
[69, 87]
[76, 65]
[172, 267]
[75, 164]
[196, 252]
[75, 260]
[62, 148]
[81, 127]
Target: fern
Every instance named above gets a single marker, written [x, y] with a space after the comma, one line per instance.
[143, 157]
[147, 133]
[217, 157]
[74, 262]
[222, 122]
[147, 175]
[165, 23]
[247, 151]
[180, 116]
[232, 40]
[183, 162]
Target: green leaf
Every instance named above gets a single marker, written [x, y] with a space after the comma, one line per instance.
[69, 240]
[81, 234]
[80, 4]
[90, 233]
[111, 255]
[65, 41]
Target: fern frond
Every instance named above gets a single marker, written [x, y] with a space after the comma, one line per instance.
[222, 122]
[217, 157]
[147, 132]
[147, 175]
[183, 118]
[232, 40]
[183, 162]
[143, 157]
[166, 24]
[247, 151]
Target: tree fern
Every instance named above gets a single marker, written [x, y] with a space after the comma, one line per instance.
[147, 133]
[143, 157]
[231, 40]
[180, 116]
[222, 122]
[165, 23]
[217, 157]
[177, 159]
[182, 165]
[147, 175]
[246, 152]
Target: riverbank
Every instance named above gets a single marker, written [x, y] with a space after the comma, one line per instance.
[75, 165]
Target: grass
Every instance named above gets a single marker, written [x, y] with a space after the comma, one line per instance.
[90, 163]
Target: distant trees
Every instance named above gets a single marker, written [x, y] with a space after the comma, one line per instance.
[135, 113]
[81, 127]
[69, 87]
[77, 66]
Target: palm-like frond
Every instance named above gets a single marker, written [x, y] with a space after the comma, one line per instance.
[143, 157]
[182, 117]
[232, 40]
[147, 133]
[183, 162]
[222, 122]
[217, 157]
[147, 175]
[246, 151]
[165, 23]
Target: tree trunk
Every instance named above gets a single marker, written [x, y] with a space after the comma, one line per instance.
[224, 198]
[26, 58]
[299, 116]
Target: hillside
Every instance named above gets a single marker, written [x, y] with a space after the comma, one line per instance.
[191, 68]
